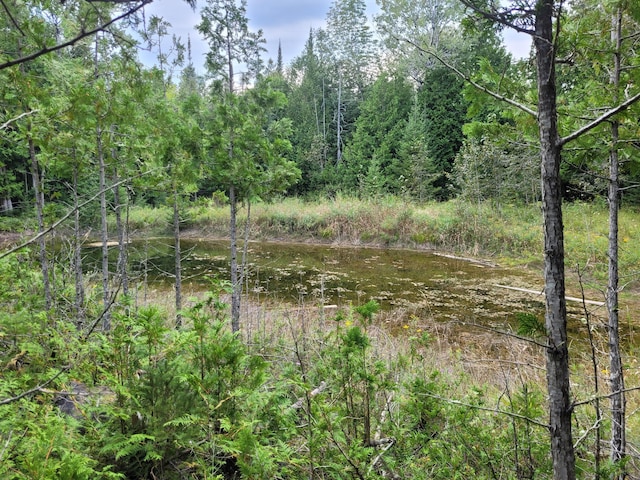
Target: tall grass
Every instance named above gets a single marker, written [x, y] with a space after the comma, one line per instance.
[510, 234]
[454, 226]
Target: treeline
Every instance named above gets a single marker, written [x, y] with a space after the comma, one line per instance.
[359, 112]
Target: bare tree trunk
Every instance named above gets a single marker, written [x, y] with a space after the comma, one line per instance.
[178, 255]
[236, 286]
[42, 245]
[324, 126]
[6, 205]
[557, 352]
[339, 121]
[121, 228]
[77, 254]
[244, 275]
[616, 379]
[106, 294]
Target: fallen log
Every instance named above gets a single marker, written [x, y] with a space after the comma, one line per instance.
[541, 292]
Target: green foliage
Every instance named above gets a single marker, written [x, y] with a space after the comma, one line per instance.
[444, 109]
[530, 325]
[200, 402]
[496, 170]
[368, 310]
[371, 159]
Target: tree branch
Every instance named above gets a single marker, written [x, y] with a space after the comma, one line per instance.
[501, 18]
[83, 34]
[502, 332]
[35, 389]
[603, 397]
[11, 120]
[486, 409]
[602, 118]
[468, 79]
[13, 20]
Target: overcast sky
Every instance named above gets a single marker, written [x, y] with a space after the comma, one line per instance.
[287, 21]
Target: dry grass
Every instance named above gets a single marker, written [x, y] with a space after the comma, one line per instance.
[484, 357]
[410, 343]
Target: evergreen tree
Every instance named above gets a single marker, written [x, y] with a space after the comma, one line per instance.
[445, 110]
[378, 134]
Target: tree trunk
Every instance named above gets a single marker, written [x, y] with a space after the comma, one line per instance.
[121, 228]
[102, 169]
[42, 245]
[6, 205]
[236, 286]
[77, 255]
[106, 294]
[616, 379]
[339, 121]
[557, 352]
[178, 255]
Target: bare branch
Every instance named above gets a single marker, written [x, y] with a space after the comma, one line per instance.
[487, 409]
[35, 389]
[316, 391]
[586, 433]
[604, 397]
[602, 118]
[468, 79]
[502, 332]
[541, 292]
[13, 20]
[83, 34]
[11, 120]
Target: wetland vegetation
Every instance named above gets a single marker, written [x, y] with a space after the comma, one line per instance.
[407, 213]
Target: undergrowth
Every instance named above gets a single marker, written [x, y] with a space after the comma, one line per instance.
[300, 392]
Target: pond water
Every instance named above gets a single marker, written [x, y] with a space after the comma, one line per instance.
[447, 288]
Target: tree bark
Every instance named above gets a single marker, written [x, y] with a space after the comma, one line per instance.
[121, 228]
[102, 174]
[77, 254]
[178, 255]
[339, 120]
[6, 205]
[557, 352]
[106, 294]
[236, 286]
[616, 379]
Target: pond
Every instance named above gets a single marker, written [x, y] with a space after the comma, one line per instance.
[447, 288]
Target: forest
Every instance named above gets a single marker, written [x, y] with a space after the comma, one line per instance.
[418, 109]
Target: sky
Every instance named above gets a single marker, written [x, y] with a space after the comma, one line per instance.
[285, 21]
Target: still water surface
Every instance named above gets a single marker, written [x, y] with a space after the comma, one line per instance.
[446, 288]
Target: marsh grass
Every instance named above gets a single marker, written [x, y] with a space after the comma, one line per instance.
[511, 234]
